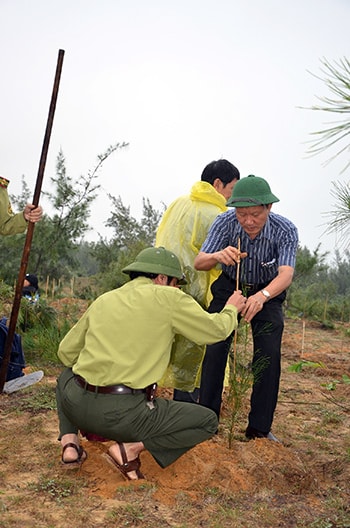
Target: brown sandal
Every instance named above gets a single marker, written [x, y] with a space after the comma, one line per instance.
[82, 455]
[128, 465]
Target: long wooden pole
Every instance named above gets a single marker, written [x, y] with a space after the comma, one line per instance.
[31, 225]
[237, 287]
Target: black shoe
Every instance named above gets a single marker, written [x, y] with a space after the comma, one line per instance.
[252, 433]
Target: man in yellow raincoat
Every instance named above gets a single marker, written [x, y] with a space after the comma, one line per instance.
[183, 229]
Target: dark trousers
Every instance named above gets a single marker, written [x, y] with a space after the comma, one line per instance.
[267, 329]
[185, 396]
[167, 428]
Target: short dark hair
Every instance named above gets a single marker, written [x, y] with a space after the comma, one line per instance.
[135, 274]
[222, 169]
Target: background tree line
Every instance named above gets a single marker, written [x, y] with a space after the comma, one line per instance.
[319, 290]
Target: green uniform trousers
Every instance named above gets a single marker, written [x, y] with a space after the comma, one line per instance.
[167, 430]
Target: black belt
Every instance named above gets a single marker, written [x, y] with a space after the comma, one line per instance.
[247, 287]
[252, 288]
[108, 389]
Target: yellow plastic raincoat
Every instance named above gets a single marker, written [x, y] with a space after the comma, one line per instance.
[183, 229]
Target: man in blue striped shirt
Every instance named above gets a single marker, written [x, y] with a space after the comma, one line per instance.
[256, 249]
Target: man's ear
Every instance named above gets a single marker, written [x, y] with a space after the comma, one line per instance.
[161, 279]
[217, 184]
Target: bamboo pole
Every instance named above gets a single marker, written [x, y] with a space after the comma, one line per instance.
[237, 287]
[31, 225]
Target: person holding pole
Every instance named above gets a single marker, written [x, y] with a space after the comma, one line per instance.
[268, 247]
[116, 353]
[32, 213]
[14, 223]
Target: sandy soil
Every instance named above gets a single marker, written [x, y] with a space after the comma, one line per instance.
[304, 481]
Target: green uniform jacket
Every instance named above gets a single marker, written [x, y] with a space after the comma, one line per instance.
[125, 336]
[10, 223]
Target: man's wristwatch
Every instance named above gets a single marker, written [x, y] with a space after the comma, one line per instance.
[266, 294]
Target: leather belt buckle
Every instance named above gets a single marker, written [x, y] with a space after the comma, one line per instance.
[249, 286]
[120, 390]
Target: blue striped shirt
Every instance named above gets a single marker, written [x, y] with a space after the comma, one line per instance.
[276, 245]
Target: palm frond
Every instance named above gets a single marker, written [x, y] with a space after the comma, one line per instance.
[340, 216]
[337, 78]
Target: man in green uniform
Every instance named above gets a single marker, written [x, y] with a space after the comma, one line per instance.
[118, 351]
[11, 223]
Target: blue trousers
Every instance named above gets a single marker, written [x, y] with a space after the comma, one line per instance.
[267, 329]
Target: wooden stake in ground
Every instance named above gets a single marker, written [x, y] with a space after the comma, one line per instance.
[30, 229]
[237, 286]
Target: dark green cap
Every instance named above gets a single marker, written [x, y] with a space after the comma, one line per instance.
[157, 260]
[251, 191]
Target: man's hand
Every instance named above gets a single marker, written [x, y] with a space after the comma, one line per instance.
[253, 305]
[237, 300]
[32, 213]
[230, 256]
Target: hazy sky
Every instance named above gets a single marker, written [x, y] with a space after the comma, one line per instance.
[183, 82]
